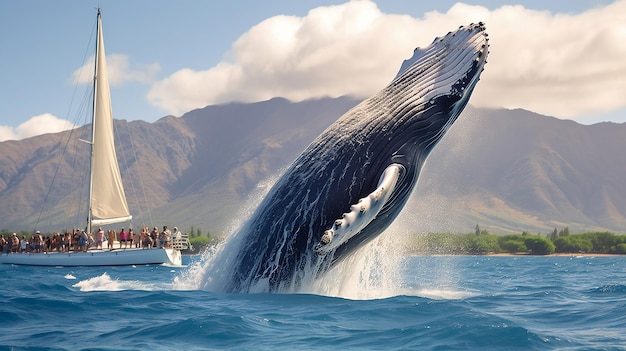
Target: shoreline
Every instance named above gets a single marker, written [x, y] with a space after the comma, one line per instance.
[507, 254]
[586, 254]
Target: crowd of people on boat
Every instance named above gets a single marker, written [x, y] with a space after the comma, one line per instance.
[79, 240]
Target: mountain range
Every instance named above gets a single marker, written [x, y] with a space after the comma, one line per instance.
[505, 170]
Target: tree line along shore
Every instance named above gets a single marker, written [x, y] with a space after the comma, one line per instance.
[480, 242]
[483, 243]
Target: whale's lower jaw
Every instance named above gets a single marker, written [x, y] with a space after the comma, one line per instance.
[350, 184]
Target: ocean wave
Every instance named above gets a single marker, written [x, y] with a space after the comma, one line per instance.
[433, 303]
[105, 283]
[608, 289]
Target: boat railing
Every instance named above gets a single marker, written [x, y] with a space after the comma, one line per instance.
[181, 242]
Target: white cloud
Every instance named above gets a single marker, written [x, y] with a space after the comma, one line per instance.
[40, 124]
[561, 65]
[337, 50]
[119, 71]
[557, 64]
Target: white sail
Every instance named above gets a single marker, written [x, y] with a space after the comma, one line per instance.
[108, 200]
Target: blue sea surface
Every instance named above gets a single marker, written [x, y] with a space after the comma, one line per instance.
[441, 303]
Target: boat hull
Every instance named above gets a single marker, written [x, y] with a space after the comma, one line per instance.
[96, 258]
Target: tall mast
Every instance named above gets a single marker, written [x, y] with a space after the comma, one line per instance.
[107, 200]
[93, 122]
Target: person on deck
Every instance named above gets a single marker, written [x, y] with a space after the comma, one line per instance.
[83, 241]
[123, 238]
[57, 242]
[76, 240]
[145, 237]
[176, 235]
[47, 244]
[111, 238]
[154, 235]
[131, 237]
[38, 242]
[99, 238]
[165, 239]
[139, 238]
[23, 244]
[67, 242]
[15, 243]
[4, 244]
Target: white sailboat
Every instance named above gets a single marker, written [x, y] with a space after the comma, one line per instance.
[107, 200]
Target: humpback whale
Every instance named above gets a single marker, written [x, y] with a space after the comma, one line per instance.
[353, 180]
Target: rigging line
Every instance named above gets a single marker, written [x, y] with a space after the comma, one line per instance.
[125, 159]
[81, 72]
[62, 152]
[117, 143]
[71, 132]
[74, 204]
[77, 170]
[81, 157]
[143, 188]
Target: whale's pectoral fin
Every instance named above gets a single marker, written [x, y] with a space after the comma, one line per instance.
[361, 213]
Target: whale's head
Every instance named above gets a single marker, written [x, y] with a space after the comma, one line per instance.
[436, 84]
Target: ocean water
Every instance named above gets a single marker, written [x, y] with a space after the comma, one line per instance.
[415, 303]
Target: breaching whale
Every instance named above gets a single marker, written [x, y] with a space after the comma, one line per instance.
[353, 180]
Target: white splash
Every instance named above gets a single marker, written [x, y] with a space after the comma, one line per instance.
[370, 273]
[376, 271]
[443, 294]
[214, 268]
[105, 283]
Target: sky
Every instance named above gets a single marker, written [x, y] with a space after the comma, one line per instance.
[559, 58]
